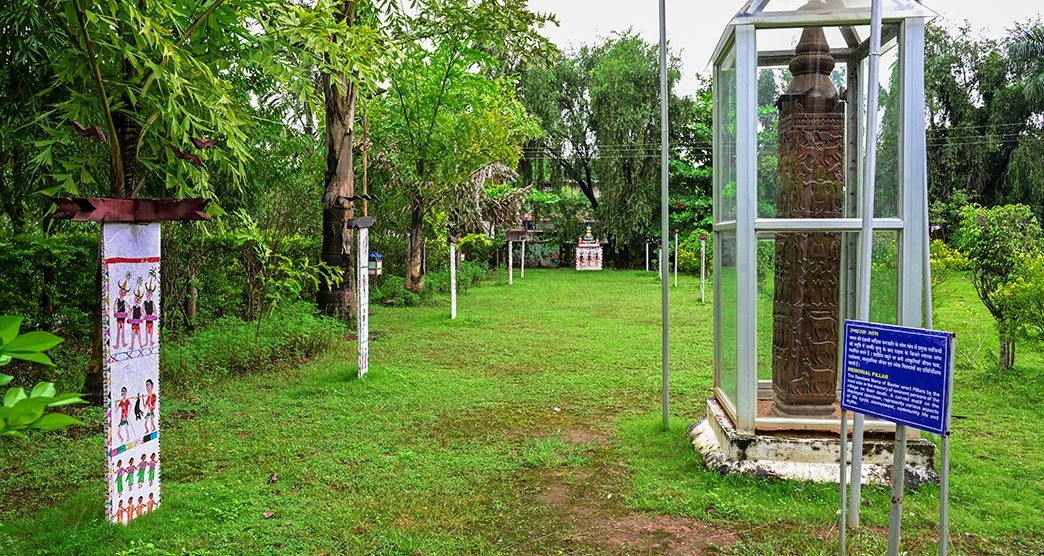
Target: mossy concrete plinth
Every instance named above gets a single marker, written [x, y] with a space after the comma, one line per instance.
[802, 455]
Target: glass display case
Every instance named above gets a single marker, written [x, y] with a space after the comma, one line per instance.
[790, 97]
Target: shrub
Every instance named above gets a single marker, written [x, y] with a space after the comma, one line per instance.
[50, 282]
[996, 241]
[689, 253]
[230, 346]
[1022, 300]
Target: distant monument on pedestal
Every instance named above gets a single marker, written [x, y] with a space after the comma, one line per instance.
[588, 252]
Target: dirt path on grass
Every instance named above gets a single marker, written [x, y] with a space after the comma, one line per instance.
[588, 507]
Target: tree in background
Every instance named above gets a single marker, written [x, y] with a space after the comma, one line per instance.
[1026, 50]
[978, 117]
[997, 240]
[448, 113]
[600, 109]
[558, 96]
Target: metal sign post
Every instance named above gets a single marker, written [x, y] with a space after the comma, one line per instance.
[866, 238]
[664, 220]
[903, 375]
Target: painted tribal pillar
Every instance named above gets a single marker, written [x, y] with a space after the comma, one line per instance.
[807, 278]
[130, 347]
[130, 351]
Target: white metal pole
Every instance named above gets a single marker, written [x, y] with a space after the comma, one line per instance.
[659, 261]
[866, 246]
[944, 442]
[647, 256]
[842, 514]
[453, 281]
[511, 262]
[676, 250]
[523, 258]
[895, 513]
[703, 270]
[664, 174]
[944, 490]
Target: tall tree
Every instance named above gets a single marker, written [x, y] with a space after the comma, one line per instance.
[1027, 55]
[340, 92]
[976, 116]
[558, 96]
[447, 113]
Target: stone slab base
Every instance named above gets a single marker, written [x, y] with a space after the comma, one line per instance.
[802, 455]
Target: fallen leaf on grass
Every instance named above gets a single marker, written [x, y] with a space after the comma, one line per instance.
[273, 478]
[269, 514]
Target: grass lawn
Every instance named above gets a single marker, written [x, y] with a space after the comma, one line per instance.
[530, 425]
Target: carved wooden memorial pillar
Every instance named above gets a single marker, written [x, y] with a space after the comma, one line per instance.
[807, 279]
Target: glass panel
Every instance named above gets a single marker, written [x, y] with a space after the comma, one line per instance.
[725, 307]
[883, 290]
[766, 291]
[884, 278]
[887, 182]
[773, 82]
[726, 103]
[794, 5]
[799, 314]
[787, 38]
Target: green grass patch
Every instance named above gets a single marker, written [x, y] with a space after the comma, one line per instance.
[452, 442]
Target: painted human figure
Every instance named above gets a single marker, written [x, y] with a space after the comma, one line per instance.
[121, 512]
[141, 505]
[149, 307]
[152, 469]
[131, 468]
[136, 316]
[120, 312]
[131, 514]
[142, 467]
[151, 505]
[119, 477]
[150, 406]
[123, 430]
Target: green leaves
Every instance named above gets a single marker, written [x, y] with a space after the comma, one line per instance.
[28, 347]
[21, 411]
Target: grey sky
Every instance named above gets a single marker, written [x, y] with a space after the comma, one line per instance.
[694, 26]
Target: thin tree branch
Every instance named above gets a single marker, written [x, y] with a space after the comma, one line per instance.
[147, 81]
[114, 144]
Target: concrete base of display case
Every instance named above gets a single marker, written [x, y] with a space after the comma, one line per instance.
[802, 455]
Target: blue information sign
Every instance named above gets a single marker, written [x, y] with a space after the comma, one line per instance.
[897, 373]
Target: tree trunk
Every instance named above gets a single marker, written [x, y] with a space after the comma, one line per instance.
[93, 383]
[414, 270]
[124, 184]
[340, 95]
[1007, 349]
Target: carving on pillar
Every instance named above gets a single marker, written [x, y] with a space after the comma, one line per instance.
[808, 265]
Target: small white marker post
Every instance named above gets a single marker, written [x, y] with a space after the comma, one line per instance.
[659, 263]
[511, 262]
[647, 255]
[453, 278]
[703, 271]
[676, 251]
[523, 258]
